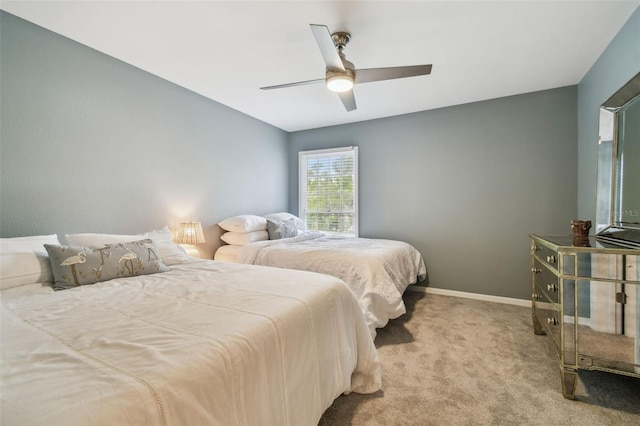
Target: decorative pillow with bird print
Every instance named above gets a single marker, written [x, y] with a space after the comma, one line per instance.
[278, 229]
[74, 266]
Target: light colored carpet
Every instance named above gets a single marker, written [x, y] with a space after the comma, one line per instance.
[459, 361]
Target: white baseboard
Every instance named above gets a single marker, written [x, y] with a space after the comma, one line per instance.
[581, 320]
[476, 296]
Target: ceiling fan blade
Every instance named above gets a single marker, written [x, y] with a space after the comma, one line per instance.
[378, 74]
[299, 83]
[348, 100]
[327, 48]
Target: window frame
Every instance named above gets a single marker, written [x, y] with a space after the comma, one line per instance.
[302, 181]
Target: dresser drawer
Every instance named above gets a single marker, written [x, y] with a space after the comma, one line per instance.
[546, 282]
[547, 255]
[549, 317]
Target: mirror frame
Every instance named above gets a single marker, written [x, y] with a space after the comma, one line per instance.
[608, 224]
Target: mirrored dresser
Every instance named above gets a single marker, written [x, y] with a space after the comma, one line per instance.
[586, 298]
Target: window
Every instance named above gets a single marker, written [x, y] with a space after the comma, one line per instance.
[328, 182]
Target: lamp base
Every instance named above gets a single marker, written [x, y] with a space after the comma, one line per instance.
[191, 250]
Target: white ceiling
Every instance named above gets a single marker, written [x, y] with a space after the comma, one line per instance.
[226, 50]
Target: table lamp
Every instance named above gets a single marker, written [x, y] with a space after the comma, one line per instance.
[190, 233]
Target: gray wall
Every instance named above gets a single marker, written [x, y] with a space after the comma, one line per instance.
[619, 62]
[91, 144]
[465, 184]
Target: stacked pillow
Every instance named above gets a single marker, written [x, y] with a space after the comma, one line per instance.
[241, 230]
[245, 229]
[24, 261]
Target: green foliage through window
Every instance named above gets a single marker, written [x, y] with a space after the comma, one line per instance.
[328, 183]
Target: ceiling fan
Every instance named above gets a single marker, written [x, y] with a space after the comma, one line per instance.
[341, 75]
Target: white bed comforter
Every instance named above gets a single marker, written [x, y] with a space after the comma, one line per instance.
[377, 271]
[206, 343]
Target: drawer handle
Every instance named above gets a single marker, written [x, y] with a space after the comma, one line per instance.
[535, 247]
[551, 259]
[552, 321]
[552, 287]
[536, 270]
[536, 296]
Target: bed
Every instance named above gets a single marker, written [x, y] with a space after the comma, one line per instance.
[378, 271]
[205, 342]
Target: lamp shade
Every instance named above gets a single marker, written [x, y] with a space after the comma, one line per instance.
[190, 233]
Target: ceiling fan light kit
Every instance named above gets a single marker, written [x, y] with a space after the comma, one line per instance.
[340, 81]
[341, 75]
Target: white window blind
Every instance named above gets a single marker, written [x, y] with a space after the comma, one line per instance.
[328, 182]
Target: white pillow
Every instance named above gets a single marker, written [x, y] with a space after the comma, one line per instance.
[243, 238]
[244, 223]
[284, 216]
[227, 253]
[86, 240]
[24, 260]
[170, 252]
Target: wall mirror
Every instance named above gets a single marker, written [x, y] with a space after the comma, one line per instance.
[618, 185]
